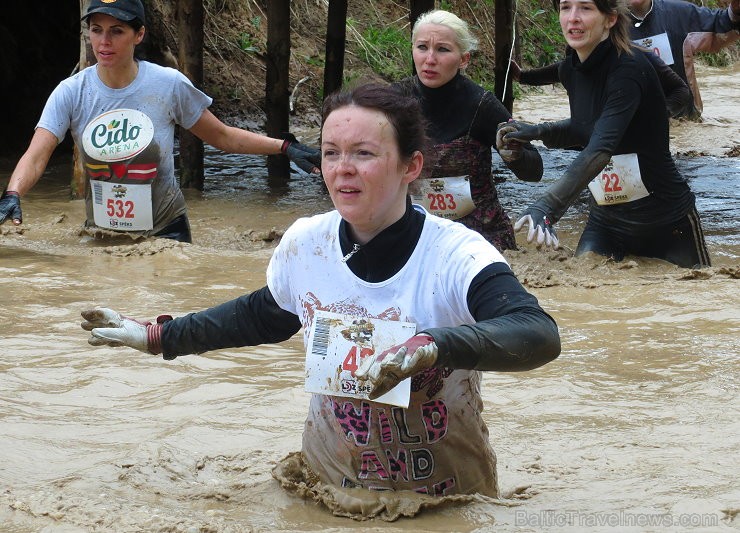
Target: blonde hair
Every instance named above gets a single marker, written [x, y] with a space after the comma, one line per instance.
[464, 37]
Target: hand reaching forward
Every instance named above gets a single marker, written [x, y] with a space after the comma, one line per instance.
[540, 227]
[10, 207]
[521, 131]
[397, 363]
[509, 151]
[307, 158]
[107, 327]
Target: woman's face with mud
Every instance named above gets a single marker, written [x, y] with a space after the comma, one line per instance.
[366, 177]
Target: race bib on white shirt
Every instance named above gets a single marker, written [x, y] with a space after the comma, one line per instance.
[659, 45]
[122, 207]
[445, 197]
[619, 182]
[336, 346]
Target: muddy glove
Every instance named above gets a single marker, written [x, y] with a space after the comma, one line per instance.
[10, 207]
[521, 131]
[397, 363]
[107, 327]
[509, 151]
[540, 224]
[308, 159]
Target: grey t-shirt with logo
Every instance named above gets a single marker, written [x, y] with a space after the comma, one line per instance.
[125, 138]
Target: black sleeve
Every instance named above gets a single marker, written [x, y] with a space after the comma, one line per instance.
[560, 134]
[249, 320]
[529, 167]
[541, 76]
[623, 99]
[512, 331]
[678, 99]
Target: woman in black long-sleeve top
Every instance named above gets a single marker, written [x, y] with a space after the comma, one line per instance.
[641, 204]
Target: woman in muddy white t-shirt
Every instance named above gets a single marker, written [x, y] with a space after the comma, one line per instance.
[384, 291]
[122, 115]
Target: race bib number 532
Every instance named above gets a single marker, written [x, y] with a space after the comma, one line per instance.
[122, 207]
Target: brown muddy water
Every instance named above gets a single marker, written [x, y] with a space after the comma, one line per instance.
[634, 428]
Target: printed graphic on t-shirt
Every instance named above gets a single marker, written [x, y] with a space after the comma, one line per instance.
[121, 161]
[390, 444]
[337, 345]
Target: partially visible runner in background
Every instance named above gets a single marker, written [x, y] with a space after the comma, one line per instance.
[641, 205]
[456, 182]
[675, 31]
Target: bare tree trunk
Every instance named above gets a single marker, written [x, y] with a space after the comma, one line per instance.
[336, 36]
[190, 59]
[504, 40]
[87, 58]
[277, 92]
[416, 9]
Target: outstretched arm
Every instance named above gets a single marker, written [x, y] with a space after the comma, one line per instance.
[249, 320]
[546, 75]
[511, 333]
[27, 172]
[236, 140]
[521, 158]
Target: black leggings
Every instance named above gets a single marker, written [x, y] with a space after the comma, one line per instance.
[681, 242]
[178, 230]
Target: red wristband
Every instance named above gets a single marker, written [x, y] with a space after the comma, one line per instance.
[154, 334]
[285, 145]
[154, 338]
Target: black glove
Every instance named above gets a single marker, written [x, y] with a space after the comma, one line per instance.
[540, 224]
[10, 207]
[522, 131]
[308, 159]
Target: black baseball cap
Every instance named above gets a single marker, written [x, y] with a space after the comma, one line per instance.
[125, 10]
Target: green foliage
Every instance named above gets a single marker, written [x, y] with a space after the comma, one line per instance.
[541, 41]
[481, 71]
[386, 49]
[249, 40]
[316, 61]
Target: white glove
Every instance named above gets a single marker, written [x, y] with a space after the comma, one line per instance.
[107, 327]
[540, 228]
[397, 363]
[508, 150]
